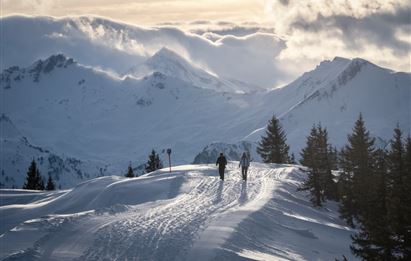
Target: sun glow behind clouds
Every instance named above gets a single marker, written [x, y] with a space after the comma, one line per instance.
[312, 30]
[143, 12]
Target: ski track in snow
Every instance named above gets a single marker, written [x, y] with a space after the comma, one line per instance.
[167, 231]
[188, 214]
[159, 230]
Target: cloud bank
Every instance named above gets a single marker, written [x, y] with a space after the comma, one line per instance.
[268, 42]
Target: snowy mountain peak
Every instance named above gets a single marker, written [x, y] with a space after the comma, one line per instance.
[167, 55]
[49, 64]
[352, 69]
[340, 59]
[34, 71]
[169, 63]
[337, 72]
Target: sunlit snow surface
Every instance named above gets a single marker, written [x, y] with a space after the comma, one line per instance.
[188, 214]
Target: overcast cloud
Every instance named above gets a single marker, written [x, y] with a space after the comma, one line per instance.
[310, 31]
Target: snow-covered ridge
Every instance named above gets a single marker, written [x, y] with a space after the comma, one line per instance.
[116, 46]
[335, 93]
[184, 215]
[36, 70]
[17, 152]
[171, 64]
[92, 116]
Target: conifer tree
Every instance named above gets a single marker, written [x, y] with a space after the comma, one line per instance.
[333, 157]
[50, 184]
[41, 185]
[292, 159]
[326, 165]
[399, 199]
[154, 162]
[33, 179]
[317, 158]
[308, 158]
[407, 200]
[273, 147]
[357, 162]
[374, 239]
[130, 173]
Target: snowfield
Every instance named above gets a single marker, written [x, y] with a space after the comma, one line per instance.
[184, 215]
[79, 122]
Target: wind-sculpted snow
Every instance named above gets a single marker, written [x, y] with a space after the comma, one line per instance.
[183, 215]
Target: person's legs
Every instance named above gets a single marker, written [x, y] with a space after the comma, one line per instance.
[221, 171]
[245, 173]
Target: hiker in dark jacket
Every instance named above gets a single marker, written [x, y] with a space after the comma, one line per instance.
[244, 163]
[221, 162]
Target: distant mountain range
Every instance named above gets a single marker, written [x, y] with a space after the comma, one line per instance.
[59, 107]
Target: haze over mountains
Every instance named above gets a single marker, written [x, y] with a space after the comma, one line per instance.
[91, 103]
[117, 47]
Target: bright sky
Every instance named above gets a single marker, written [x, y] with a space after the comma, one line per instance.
[144, 12]
[313, 30]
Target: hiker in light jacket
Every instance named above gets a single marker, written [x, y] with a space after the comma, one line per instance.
[244, 163]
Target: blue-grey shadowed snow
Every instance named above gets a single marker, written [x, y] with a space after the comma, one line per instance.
[188, 214]
[220, 188]
[101, 194]
[243, 197]
[15, 196]
[289, 228]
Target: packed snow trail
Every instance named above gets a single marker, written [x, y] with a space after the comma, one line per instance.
[184, 215]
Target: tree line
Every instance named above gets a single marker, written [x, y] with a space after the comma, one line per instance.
[372, 185]
[35, 181]
[154, 163]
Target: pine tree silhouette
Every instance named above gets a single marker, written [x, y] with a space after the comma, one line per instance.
[317, 157]
[154, 162]
[357, 162]
[273, 147]
[130, 173]
[33, 179]
[50, 184]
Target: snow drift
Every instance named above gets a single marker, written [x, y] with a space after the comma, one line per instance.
[181, 215]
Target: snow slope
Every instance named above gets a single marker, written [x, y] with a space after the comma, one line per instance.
[184, 215]
[231, 151]
[80, 112]
[17, 153]
[334, 94]
[90, 114]
[171, 64]
[87, 114]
